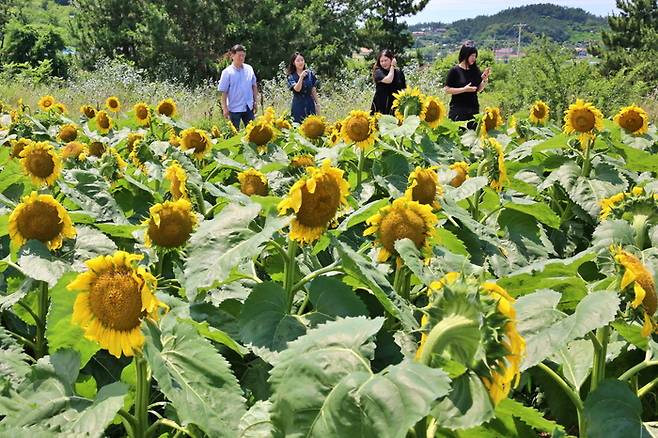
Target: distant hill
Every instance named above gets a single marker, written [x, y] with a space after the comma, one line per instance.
[562, 24]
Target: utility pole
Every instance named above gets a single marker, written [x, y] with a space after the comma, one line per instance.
[518, 43]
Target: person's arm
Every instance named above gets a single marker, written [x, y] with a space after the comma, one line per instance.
[466, 89]
[223, 89]
[316, 100]
[225, 105]
[300, 82]
[254, 90]
[389, 77]
[485, 79]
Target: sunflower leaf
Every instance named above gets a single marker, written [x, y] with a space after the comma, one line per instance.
[255, 423]
[36, 261]
[91, 192]
[613, 411]
[194, 377]
[468, 404]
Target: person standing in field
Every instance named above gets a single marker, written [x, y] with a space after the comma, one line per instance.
[238, 87]
[388, 79]
[304, 85]
[463, 83]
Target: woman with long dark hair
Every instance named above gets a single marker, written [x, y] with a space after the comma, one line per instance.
[464, 82]
[388, 79]
[304, 85]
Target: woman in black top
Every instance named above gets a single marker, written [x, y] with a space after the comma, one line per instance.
[464, 82]
[388, 79]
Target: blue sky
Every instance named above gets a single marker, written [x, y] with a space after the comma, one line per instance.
[450, 10]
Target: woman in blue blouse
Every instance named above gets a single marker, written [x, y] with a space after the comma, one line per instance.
[304, 85]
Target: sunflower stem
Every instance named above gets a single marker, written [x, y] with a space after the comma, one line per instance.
[587, 161]
[571, 394]
[42, 310]
[289, 272]
[360, 168]
[637, 368]
[598, 365]
[141, 396]
[332, 267]
[129, 422]
[199, 200]
[646, 388]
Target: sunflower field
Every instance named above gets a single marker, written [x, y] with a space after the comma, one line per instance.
[373, 276]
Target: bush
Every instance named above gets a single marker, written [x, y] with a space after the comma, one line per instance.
[31, 44]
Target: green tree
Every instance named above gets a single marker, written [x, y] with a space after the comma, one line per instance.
[32, 44]
[383, 28]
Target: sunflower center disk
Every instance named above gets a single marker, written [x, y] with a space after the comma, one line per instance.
[358, 128]
[583, 121]
[196, 142]
[400, 224]
[253, 185]
[632, 122]
[174, 230]
[314, 130]
[433, 112]
[40, 221]
[539, 112]
[116, 300]
[40, 164]
[425, 190]
[260, 135]
[97, 149]
[319, 208]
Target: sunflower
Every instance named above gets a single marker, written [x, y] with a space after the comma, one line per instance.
[434, 111]
[41, 162]
[491, 120]
[404, 218]
[112, 103]
[424, 187]
[583, 118]
[495, 156]
[359, 128]
[174, 139]
[461, 173]
[269, 114]
[315, 199]
[539, 113]
[142, 114]
[409, 102]
[281, 124]
[42, 218]
[67, 133]
[116, 157]
[17, 146]
[633, 120]
[252, 182]
[215, 132]
[313, 127]
[103, 122]
[88, 111]
[61, 108]
[644, 287]
[166, 107]
[132, 139]
[260, 132]
[627, 205]
[170, 224]
[196, 139]
[97, 149]
[302, 161]
[177, 178]
[114, 297]
[74, 149]
[47, 102]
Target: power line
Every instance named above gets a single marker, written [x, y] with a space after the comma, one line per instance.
[518, 43]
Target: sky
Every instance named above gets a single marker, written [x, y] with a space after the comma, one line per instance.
[447, 11]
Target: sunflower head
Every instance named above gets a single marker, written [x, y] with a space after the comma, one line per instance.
[315, 200]
[170, 224]
[41, 163]
[359, 129]
[17, 146]
[114, 297]
[167, 107]
[88, 111]
[424, 187]
[103, 122]
[196, 140]
[47, 102]
[132, 139]
[281, 124]
[404, 218]
[302, 161]
[491, 120]
[584, 119]
[142, 113]
[76, 150]
[215, 132]
[42, 218]
[495, 163]
[177, 178]
[633, 120]
[97, 148]
[60, 108]
[313, 127]
[112, 104]
[260, 132]
[269, 114]
[68, 132]
[434, 111]
[252, 182]
[539, 113]
[409, 102]
[627, 205]
[461, 173]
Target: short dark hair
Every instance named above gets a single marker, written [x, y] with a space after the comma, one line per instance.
[467, 50]
[237, 48]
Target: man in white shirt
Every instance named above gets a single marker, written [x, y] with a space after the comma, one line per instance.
[238, 87]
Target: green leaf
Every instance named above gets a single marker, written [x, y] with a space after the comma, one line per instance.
[14, 368]
[255, 423]
[576, 361]
[613, 231]
[546, 330]
[4, 225]
[528, 415]
[632, 334]
[332, 298]
[121, 231]
[265, 323]
[215, 335]
[588, 194]
[90, 243]
[91, 192]
[94, 420]
[636, 159]
[60, 330]
[614, 411]
[36, 261]
[467, 189]
[451, 242]
[538, 210]
[12, 173]
[194, 377]
[468, 404]
[362, 214]
[357, 266]
[223, 242]
[412, 259]
[558, 141]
